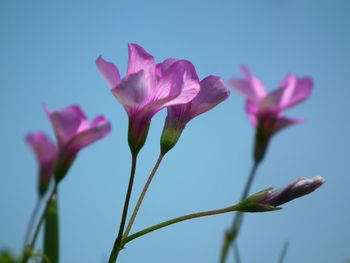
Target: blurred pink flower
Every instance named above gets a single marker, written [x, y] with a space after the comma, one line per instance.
[266, 109]
[147, 88]
[46, 154]
[74, 132]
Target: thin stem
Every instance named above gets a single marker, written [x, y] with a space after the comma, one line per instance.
[177, 220]
[237, 222]
[31, 220]
[117, 243]
[236, 253]
[249, 181]
[27, 250]
[283, 252]
[143, 193]
[233, 231]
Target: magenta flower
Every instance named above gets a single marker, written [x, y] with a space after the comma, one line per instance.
[212, 92]
[260, 105]
[265, 110]
[270, 199]
[46, 154]
[147, 88]
[74, 132]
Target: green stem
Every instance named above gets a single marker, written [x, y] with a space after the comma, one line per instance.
[51, 232]
[143, 193]
[28, 249]
[177, 220]
[31, 221]
[236, 254]
[233, 231]
[117, 243]
[283, 252]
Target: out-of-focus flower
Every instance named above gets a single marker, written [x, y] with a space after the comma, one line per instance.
[147, 88]
[46, 155]
[265, 110]
[74, 132]
[212, 92]
[270, 199]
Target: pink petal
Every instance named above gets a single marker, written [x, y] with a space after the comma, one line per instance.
[273, 101]
[292, 91]
[252, 112]
[139, 60]
[212, 92]
[162, 67]
[67, 123]
[45, 151]
[99, 128]
[132, 92]
[180, 82]
[178, 115]
[178, 85]
[296, 90]
[46, 155]
[284, 122]
[109, 71]
[251, 87]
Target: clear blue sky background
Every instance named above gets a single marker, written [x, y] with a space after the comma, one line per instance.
[48, 52]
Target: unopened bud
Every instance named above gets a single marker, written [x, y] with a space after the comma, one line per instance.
[270, 199]
[170, 135]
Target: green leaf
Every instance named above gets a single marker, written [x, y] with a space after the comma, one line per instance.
[51, 233]
[6, 257]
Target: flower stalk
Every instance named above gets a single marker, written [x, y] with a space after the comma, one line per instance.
[232, 233]
[31, 221]
[177, 220]
[118, 241]
[142, 196]
[29, 248]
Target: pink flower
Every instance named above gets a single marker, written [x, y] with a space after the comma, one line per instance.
[212, 92]
[268, 107]
[46, 154]
[147, 88]
[265, 110]
[74, 132]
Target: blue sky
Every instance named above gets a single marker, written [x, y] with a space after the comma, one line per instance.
[48, 52]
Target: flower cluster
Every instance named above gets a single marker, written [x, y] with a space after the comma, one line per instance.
[147, 88]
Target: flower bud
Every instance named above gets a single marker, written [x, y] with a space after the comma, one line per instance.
[170, 135]
[137, 136]
[270, 199]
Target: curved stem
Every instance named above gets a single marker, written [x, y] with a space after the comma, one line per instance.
[177, 220]
[28, 249]
[233, 231]
[31, 221]
[117, 243]
[143, 193]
